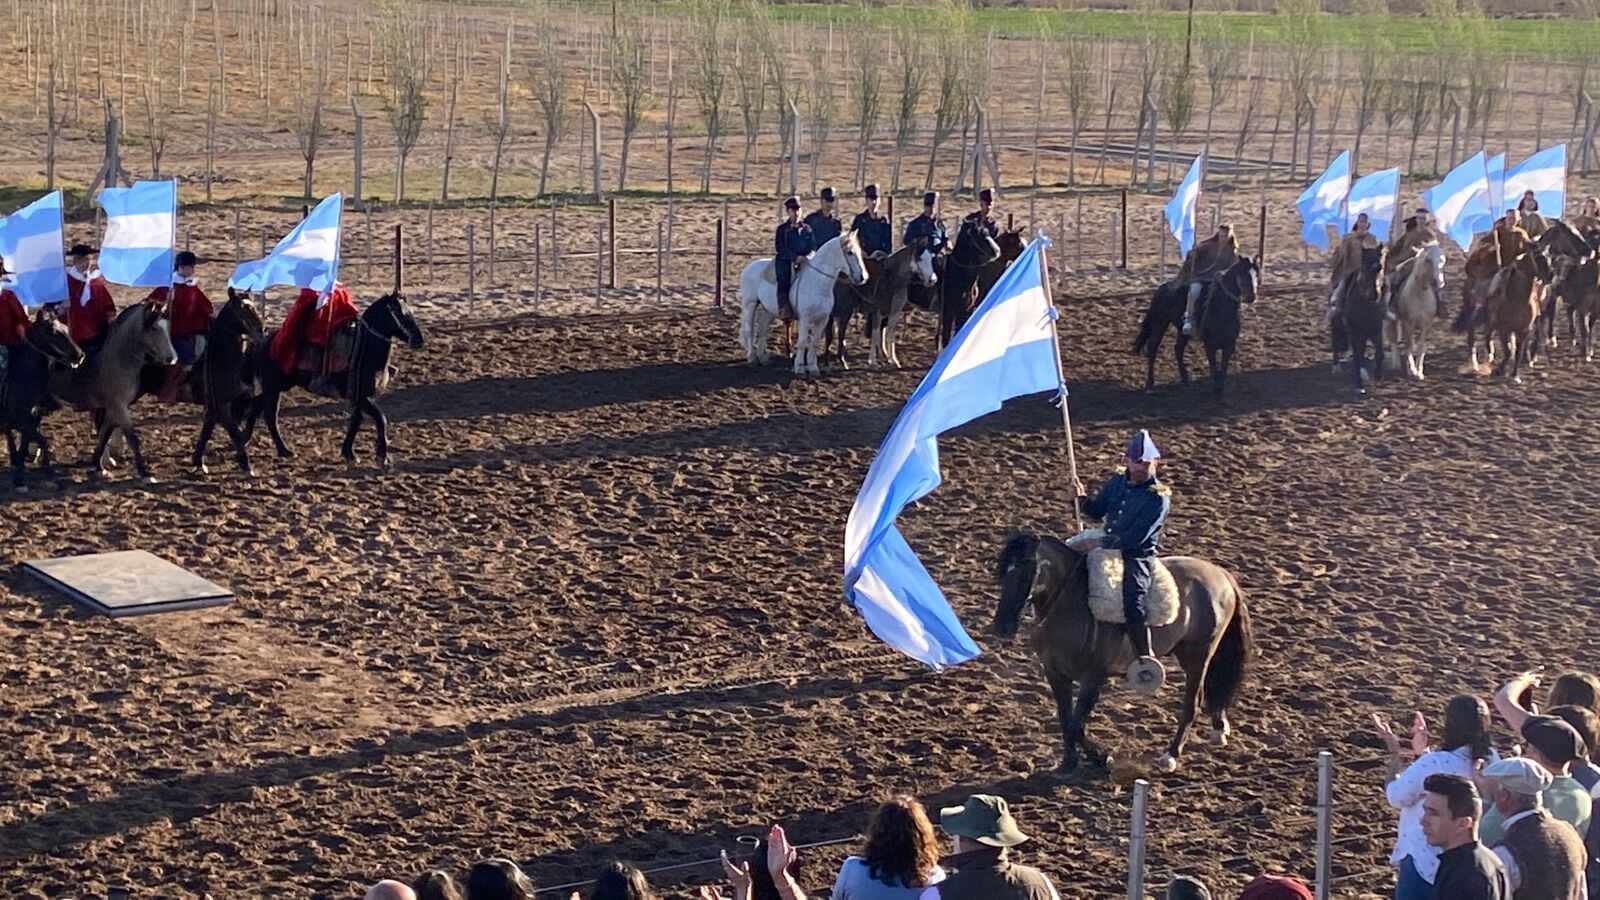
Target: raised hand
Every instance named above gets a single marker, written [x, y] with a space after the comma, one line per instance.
[1419, 734]
[780, 855]
[1386, 733]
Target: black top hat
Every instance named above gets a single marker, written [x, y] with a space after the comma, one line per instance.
[986, 196]
[827, 194]
[792, 203]
[872, 192]
[185, 258]
[930, 198]
[82, 250]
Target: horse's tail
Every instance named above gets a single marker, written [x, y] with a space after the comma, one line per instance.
[1226, 673]
[1147, 330]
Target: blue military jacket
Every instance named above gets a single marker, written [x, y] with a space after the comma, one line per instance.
[1134, 514]
[874, 232]
[791, 242]
[924, 227]
[986, 223]
[824, 227]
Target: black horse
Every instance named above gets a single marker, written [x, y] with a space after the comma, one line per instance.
[223, 381]
[1216, 316]
[1165, 311]
[25, 393]
[385, 321]
[1359, 321]
[1562, 245]
[972, 251]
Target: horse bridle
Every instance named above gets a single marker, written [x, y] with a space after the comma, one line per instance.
[1221, 285]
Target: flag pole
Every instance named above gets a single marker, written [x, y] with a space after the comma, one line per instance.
[172, 276]
[1066, 414]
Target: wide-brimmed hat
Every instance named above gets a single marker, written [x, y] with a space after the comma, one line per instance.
[984, 818]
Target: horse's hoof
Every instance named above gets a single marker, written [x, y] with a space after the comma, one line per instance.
[1167, 763]
[1220, 737]
[202, 469]
[151, 480]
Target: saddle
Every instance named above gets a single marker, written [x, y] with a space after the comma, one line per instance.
[309, 358]
[1161, 602]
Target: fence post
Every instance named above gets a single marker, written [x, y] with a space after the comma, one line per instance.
[430, 240]
[355, 111]
[1136, 840]
[367, 216]
[661, 231]
[1124, 232]
[1324, 823]
[1261, 236]
[238, 251]
[599, 266]
[721, 250]
[538, 264]
[472, 270]
[1077, 233]
[555, 248]
[611, 241]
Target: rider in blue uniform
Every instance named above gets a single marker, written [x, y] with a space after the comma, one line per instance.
[984, 218]
[791, 243]
[872, 227]
[824, 222]
[928, 225]
[1134, 505]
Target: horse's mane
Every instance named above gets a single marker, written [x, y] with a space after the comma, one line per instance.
[1017, 549]
[126, 312]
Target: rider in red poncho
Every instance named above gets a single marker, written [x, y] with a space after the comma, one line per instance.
[307, 333]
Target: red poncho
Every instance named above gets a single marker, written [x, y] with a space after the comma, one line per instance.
[13, 320]
[88, 312]
[191, 310]
[312, 320]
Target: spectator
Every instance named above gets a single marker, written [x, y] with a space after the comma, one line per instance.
[1276, 887]
[1514, 701]
[1542, 857]
[1576, 689]
[436, 885]
[620, 881]
[389, 889]
[498, 879]
[1553, 745]
[739, 877]
[1587, 725]
[1467, 869]
[984, 833]
[1185, 888]
[899, 859]
[1465, 745]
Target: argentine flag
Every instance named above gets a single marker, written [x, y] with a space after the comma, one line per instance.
[1497, 187]
[1376, 195]
[307, 257]
[1007, 349]
[1461, 201]
[1180, 209]
[1322, 204]
[141, 229]
[1544, 173]
[30, 244]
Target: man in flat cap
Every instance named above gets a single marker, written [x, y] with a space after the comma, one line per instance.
[791, 243]
[1543, 856]
[1554, 746]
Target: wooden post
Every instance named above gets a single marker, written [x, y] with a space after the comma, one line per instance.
[1261, 236]
[538, 264]
[717, 281]
[238, 251]
[1124, 231]
[430, 240]
[472, 271]
[399, 260]
[355, 110]
[611, 240]
[367, 215]
[594, 146]
[661, 237]
[555, 247]
[599, 266]
[488, 280]
[889, 210]
[1077, 228]
[1010, 221]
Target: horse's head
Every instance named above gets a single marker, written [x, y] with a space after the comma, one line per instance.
[922, 264]
[240, 316]
[855, 266]
[1372, 260]
[389, 318]
[1030, 570]
[1559, 239]
[48, 335]
[1011, 244]
[146, 325]
[1241, 281]
[1433, 256]
[974, 247]
[1542, 268]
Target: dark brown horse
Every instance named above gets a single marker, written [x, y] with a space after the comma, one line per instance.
[1359, 323]
[1011, 246]
[1512, 310]
[1210, 638]
[25, 395]
[970, 253]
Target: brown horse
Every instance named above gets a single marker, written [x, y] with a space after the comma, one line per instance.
[1210, 638]
[1512, 309]
[1011, 245]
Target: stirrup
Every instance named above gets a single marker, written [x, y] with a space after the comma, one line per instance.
[1146, 676]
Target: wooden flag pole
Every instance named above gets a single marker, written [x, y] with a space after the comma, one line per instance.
[1066, 414]
[399, 260]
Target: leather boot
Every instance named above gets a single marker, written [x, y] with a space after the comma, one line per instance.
[1140, 636]
[785, 311]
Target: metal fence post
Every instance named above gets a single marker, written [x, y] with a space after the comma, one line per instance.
[538, 264]
[555, 248]
[472, 271]
[238, 251]
[367, 215]
[1124, 232]
[1324, 823]
[1136, 840]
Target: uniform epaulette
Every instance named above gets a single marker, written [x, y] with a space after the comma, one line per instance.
[1160, 490]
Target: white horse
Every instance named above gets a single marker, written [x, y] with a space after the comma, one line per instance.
[1420, 287]
[920, 267]
[811, 295]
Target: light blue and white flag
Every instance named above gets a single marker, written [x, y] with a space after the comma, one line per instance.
[1007, 349]
[1544, 173]
[1497, 185]
[141, 229]
[1461, 202]
[1180, 209]
[307, 257]
[1375, 194]
[30, 244]
[1322, 204]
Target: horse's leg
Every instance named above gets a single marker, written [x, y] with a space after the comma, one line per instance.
[270, 403]
[800, 342]
[1194, 679]
[347, 450]
[1177, 351]
[97, 458]
[16, 455]
[1061, 687]
[197, 461]
[1150, 352]
[1377, 355]
[874, 323]
[890, 335]
[1087, 698]
[134, 444]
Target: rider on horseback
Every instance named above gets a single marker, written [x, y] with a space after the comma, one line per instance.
[983, 218]
[792, 243]
[13, 322]
[824, 222]
[90, 308]
[190, 315]
[872, 228]
[1528, 217]
[1206, 260]
[1347, 260]
[1418, 232]
[1134, 505]
[305, 340]
[928, 225]
[1587, 222]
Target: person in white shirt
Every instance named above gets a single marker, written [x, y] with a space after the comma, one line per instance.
[899, 859]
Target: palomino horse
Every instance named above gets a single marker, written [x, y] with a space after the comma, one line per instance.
[1417, 296]
[1210, 638]
[385, 321]
[1512, 310]
[811, 295]
[108, 385]
[223, 380]
[886, 304]
[970, 253]
[1218, 316]
[24, 396]
[1360, 320]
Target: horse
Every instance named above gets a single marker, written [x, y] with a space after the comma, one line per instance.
[25, 396]
[1211, 639]
[811, 295]
[1512, 310]
[384, 321]
[222, 380]
[1579, 290]
[1218, 316]
[109, 384]
[1165, 311]
[1560, 241]
[887, 298]
[1417, 297]
[971, 252]
[1360, 320]
[1011, 246]
[847, 298]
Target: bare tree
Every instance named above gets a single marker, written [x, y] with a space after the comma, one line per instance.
[750, 91]
[1374, 62]
[1485, 88]
[709, 77]
[1149, 50]
[1421, 100]
[822, 104]
[1219, 57]
[868, 93]
[910, 46]
[1303, 41]
[1077, 83]
[950, 107]
[402, 34]
[1176, 101]
[157, 96]
[310, 96]
[501, 128]
[630, 81]
[763, 34]
[457, 54]
[548, 82]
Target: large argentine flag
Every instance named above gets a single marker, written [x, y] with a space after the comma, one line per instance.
[141, 228]
[1005, 350]
[1544, 173]
[1497, 186]
[1180, 209]
[1375, 195]
[1322, 204]
[1461, 201]
[30, 244]
[308, 257]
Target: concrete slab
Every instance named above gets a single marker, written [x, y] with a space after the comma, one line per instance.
[127, 583]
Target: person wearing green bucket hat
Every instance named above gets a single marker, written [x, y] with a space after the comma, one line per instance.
[984, 833]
